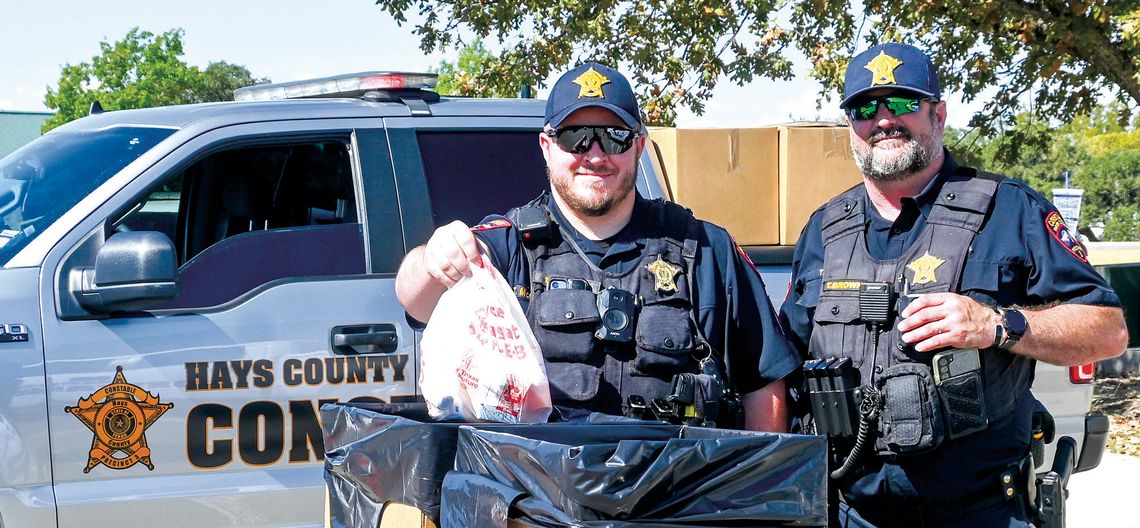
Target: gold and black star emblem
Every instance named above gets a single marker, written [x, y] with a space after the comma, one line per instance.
[591, 84]
[883, 69]
[119, 415]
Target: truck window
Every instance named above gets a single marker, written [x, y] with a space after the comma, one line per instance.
[47, 177]
[244, 217]
[473, 174]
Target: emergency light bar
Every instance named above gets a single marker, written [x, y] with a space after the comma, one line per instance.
[348, 85]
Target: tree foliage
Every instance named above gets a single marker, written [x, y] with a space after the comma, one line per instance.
[141, 70]
[1112, 193]
[675, 51]
[219, 80]
[471, 73]
[1059, 53]
[1102, 156]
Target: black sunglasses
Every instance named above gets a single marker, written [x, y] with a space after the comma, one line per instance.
[577, 139]
[897, 104]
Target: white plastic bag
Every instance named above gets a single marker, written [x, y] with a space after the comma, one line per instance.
[478, 357]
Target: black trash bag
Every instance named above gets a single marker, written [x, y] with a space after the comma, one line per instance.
[374, 456]
[699, 477]
[379, 453]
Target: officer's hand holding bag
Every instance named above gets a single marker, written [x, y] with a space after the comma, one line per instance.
[479, 359]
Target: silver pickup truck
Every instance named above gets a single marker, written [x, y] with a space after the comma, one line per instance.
[183, 287]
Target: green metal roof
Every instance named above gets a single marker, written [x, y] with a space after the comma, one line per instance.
[18, 128]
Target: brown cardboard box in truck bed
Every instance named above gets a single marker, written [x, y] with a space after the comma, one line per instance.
[816, 164]
[727, 176]
[398, 515]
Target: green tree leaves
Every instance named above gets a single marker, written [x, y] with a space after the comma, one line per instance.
[475, 73]
[219, 80]
[1102, 155]
[1112, 193]
[675, 51]
[1054, 56]
[1059, 54]
[141, 70]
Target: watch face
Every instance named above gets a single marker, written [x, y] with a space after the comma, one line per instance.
[1015, 322]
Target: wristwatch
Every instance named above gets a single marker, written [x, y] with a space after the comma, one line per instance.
[1013, 326]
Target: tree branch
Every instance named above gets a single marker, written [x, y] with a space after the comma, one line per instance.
[1093, 45]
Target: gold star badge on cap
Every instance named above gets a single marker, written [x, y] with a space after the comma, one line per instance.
[923, 268]
[883, 69]
[591, 83]
[664, 274]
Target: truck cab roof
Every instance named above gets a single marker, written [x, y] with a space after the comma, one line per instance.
[213, 115]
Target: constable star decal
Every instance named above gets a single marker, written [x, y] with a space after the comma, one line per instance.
[119, 414]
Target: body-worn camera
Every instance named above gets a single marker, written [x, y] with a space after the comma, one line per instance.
[618, 309]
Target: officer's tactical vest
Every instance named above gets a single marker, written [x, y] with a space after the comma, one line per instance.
[585, 372]
[932, 264]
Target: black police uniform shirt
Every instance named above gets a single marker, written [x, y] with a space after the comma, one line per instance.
[758, 353]
[1016, 260]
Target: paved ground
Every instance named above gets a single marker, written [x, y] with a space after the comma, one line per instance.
[1106, 497]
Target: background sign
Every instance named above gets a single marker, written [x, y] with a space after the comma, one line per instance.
[1068, 202]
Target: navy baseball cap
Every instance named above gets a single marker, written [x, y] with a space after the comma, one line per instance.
[890, 65]
[592, 84]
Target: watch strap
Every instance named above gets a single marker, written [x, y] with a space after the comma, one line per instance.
[999, 329]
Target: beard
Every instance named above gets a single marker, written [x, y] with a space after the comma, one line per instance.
[894, 165]
[594, 201]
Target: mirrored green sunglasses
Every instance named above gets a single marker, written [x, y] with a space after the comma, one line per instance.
[898, 105]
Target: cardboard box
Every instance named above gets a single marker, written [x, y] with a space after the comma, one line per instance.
[816, 164]
[395, 515]
[727, 176]
[398, 515]
[763, 183]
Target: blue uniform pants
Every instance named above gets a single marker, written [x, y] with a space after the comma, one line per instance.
[1004, 515]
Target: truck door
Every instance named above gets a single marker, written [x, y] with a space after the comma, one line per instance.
[202, 410]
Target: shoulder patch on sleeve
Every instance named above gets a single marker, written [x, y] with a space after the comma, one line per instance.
[1055, 224]
[497, 223]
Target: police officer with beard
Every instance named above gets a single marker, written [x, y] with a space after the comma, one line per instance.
[928, 256]
[631, 300]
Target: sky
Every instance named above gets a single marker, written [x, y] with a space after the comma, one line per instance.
[288, 40]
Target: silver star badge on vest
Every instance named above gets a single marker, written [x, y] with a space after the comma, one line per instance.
[664, 274]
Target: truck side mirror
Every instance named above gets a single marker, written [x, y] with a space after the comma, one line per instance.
[133, 270]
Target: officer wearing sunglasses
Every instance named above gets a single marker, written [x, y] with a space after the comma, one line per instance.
[930, 256]
[640, 309]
